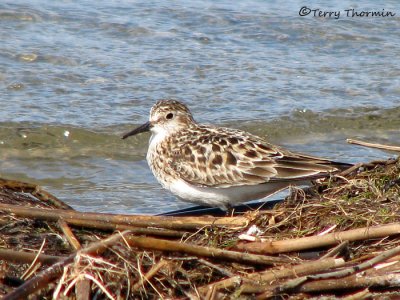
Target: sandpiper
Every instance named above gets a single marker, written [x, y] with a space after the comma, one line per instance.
[221, 167]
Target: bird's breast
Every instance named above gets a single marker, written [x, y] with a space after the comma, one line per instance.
[159, 160]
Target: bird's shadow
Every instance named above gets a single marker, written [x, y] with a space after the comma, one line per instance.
[217, 212]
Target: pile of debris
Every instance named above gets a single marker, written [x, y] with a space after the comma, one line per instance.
[339, 238]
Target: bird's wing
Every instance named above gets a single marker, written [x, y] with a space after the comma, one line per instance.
[235, 158]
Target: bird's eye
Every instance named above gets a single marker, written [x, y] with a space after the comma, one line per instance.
[169, 116]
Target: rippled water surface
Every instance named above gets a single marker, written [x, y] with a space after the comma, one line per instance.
[75, 75]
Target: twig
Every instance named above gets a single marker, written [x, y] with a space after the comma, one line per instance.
[367, 165]
[387, 280]
[69, 235]
[350, 170]
[221, 270]
[364, 294]
[361, 267]
[77, 218]
[148, 281]
[274, 247]
[34, 190]
[27, 257]
[372, 145]
[99, 284]
[100, 225]
[57, 289]
[272, 275]
[28, 271]
[82, 287]
[172, 246]
[336, 250]
[153, 271]
[292, 284]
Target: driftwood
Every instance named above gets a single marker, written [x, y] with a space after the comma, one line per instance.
[274, 247]
[172, 246]
[360, 267]
[344, 273]
[84, 219]
[103, 225]
[249, 282]
[344, 284]
[374, 145]
[27, 257]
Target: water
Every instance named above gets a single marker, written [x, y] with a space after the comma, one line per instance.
[75, 75]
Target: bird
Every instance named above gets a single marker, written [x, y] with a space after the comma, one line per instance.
[218, 166]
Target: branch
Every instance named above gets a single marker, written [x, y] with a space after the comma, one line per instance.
[153, 271]
[336, 250]
[361, 267]
[23, 257]
[77, 218]
[295, 283]
[73, 241]
[372, 145]
[272, 275]
[351, 282]
[290, 245]
[172, 246]
[83, 286]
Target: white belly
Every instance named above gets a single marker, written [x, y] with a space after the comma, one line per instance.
[223, 197]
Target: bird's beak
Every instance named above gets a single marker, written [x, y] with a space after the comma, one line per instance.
[143, 128]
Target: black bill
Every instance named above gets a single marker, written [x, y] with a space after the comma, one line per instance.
[143, 128]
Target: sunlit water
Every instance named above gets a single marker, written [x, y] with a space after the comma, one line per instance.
[75, 75]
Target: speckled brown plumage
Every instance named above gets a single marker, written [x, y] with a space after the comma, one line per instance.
[207, 160]
[209, 156]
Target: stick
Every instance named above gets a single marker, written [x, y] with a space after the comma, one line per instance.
[82, 287]
[34, 190]
[138, 230]
[292, 284]
[73, 241]
[347, 283]
[23, 257]
[361, 267]
[33, 266]
[274, 247]
[364, 294]
[336, 250]
[372, 145]
[223, 271]
[387, 280]
[153, 271]
[272, 275]
[131, 220]
[172, 246]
